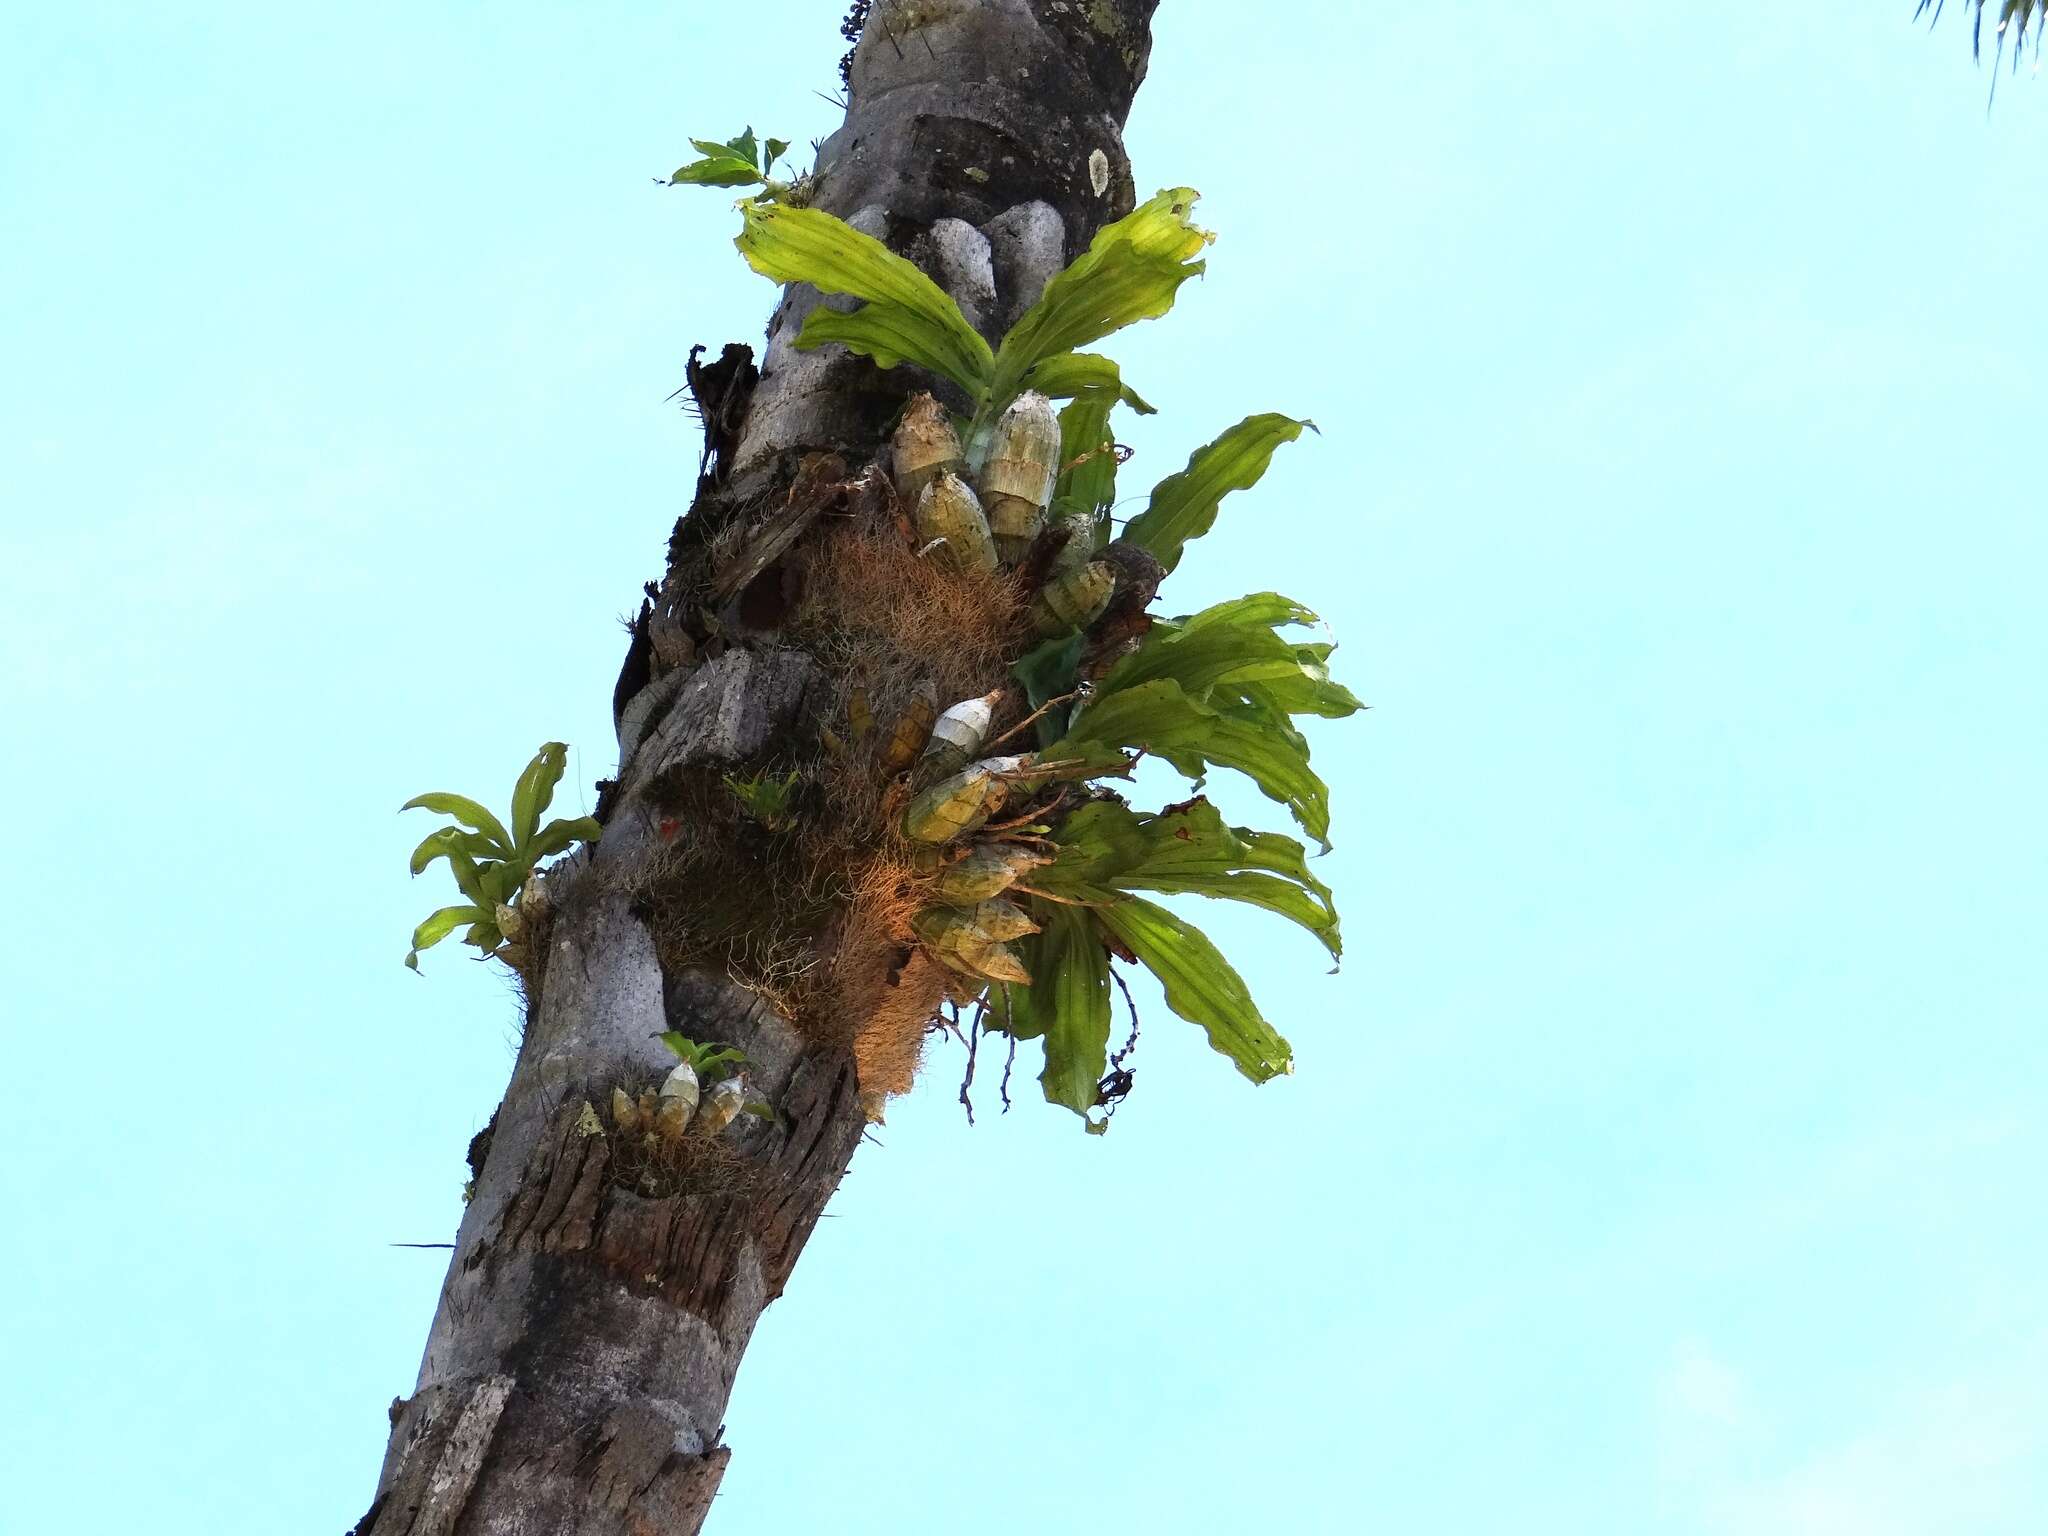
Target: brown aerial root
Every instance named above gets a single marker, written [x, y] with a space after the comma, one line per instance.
[868, 595]
[822, 932]
[656, 1168]
[878, 980]
[756, 931]
[890, 1045]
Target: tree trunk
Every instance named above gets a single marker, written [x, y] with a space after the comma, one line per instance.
[601, 1293]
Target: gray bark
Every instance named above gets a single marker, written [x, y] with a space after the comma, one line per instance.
[580, 1360]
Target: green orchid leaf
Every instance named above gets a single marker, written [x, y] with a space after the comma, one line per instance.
[1184, 504]
[906, 318]
[1157, 716]
[560, 833]
[723, 165]
[1085, 375]
[1200, 985]
[1220, 689]
[466, 811]
[1255, 610]
[1204, 652]
[488, 864]
[535, 789]
[1087, 480]
[768, 799]
[1130, 272]
[1106, 849]
[744, 147]
[777, 148]
[1097, 843]
[469, 877]
[1270, 892]
[705, 1057]
[890, 335]
[446, 841]
[437, 927]
[1229, 651]
[1307, 692]
[501, 880]
[1067, 1003]
[1046, 672]
[1263, 747]
[1162, 718]
[722, 172]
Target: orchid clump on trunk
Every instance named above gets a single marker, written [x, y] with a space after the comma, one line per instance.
[1104, 680]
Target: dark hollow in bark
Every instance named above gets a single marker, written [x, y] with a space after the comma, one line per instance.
[597, 1303]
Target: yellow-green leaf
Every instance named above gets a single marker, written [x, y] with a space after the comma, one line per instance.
[1107, 848]
[906, 318]
[445, 842]
[1230, 650]
[720, 170]
[1080, 375]
[1162, 718]
[560, 833]
[437, 927]
[535, 789]
[1067, 1003]
[1087, 481]
[466, 811]
[1200, 985]
[501, 880]
[1184, 504]
[1130, 271]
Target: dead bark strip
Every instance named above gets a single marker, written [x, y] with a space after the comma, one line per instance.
[594, 1314]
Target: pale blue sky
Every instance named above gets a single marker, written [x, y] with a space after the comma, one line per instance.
[1668, 1156]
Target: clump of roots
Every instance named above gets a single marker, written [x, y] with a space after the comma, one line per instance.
[648, 1164]
[821, 926]
[761, 930]
[876, 612]
[888, 985]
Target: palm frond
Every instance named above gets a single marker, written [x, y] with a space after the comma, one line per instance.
[2016, 18]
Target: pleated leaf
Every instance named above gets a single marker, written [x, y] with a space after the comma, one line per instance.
[1047, 671]
[535, 789]
[1232, 648]
[466, 811]
[1130, 271]
[1161, 718]
[437, 927]
[1087, 481]
[906, 317]
[1106, 849]
[560, 833]
[1200, 985]
[1084, 375]
[1219, 689]
[1184, 504]
[448, 843]
[1067, 1003]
